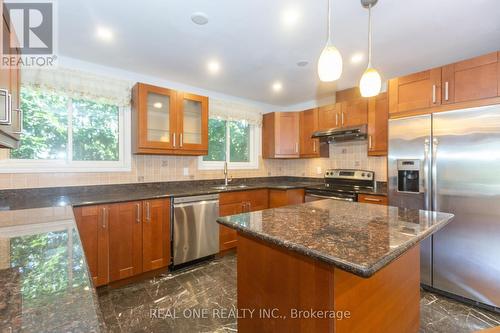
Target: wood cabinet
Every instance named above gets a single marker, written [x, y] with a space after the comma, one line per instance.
[279, 198]
[353, 108]
[329, 116]
[93, 229]
[10, 78]
[168, 122]
[308, 123]
[280, 135]
[232, 203]
[471, 79]
[415, 91]
[124, 239]
[378, 114]
[373, 199]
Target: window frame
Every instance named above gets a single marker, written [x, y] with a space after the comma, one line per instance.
[124, 163]
[254, 151]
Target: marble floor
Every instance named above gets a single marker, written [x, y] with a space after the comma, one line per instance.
[149, 306]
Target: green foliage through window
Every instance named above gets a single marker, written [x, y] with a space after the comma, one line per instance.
[46, 136]
[220, 132]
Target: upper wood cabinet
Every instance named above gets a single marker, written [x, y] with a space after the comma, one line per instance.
[280, 135]
[415, 91]
[352, 106]
[308, 121]
[378, 114]
[10, 111]
[328, 116]
[168, 122]
[124, 239]
[471, 79]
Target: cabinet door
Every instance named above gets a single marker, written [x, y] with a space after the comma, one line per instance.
[93, 229]
[354, 113]
[256, 200]
[192, 121]
[471, 79]
[308, 125]
[155, 109]
[378, 113]
[227, 236]
[287, 134]
[125, 240]
[415, 91]
[328, 117]
[155, 234]
[279, 198]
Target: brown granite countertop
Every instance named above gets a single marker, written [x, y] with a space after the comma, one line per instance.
[357, 237]
[45, 285]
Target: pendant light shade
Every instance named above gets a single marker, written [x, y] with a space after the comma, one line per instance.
[330, 60]
[371, 82]
[329, 64]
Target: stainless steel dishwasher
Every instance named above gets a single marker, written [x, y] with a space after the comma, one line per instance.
[195, 230]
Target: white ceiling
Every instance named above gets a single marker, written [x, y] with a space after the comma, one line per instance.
[255, 48]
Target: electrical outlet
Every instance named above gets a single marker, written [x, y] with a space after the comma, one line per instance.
[164, 164]
[319, 171]
[140, 179]
[357, 164]
[344, 151]
[185, 171]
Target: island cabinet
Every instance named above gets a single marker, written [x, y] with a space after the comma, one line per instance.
[10, 78]
[309, 123]
[123, 240]
[280, 135]
[279, 198]
[378, 114]
[373, 199]
[168, 122]
[232, 203]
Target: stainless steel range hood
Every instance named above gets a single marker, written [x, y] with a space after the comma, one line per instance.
[337, 135]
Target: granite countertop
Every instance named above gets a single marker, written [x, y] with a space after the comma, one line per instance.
[44, 274]
[102, 194]
[357, 237]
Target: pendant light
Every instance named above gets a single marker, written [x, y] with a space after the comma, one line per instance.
[330, 60]
[371, 82]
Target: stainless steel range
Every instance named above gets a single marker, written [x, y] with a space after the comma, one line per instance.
[342, 184]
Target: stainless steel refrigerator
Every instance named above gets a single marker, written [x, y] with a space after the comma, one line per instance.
[450, 162]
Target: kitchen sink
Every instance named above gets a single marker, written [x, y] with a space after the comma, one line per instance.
[229, 187]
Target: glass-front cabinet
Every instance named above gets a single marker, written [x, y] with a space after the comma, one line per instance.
[168, 122]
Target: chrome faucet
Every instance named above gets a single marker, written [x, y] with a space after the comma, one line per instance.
[226, 180]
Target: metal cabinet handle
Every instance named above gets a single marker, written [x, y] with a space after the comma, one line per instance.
[314, 145]
[21, 119]
[180, 140]
[104, 217]
[148, 212]
[138, 213]
[372, 199]
[337, 119]
[342, 117]
[433, 94]
[446, 91]
[296, 147]
[173, 140]
[370, 142]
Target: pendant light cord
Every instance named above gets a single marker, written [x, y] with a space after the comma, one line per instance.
[369, 36]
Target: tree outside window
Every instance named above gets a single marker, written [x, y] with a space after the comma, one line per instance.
[228, 138]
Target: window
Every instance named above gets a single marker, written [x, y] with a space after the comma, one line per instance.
[69, 134]
[237, 140]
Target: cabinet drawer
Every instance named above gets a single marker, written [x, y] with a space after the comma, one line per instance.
[373, 199]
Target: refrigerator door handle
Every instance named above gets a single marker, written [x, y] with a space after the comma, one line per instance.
[427, 179]
[435, 143]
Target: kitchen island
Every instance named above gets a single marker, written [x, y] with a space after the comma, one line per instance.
[331, 266]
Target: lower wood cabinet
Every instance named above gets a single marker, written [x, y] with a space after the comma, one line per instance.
[124, 239]
[279, 198]
[373, 199]
[232, 203]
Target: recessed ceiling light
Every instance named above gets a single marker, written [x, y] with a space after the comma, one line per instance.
[213, 66]
[199, 18]
[357, 58]
[303, 63]
[157, 105]
[290, 17]
[104, 33]
[277, 86]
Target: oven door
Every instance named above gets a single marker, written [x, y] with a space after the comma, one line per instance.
[312, 195]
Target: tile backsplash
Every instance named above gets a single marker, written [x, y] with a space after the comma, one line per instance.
[168, 168]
